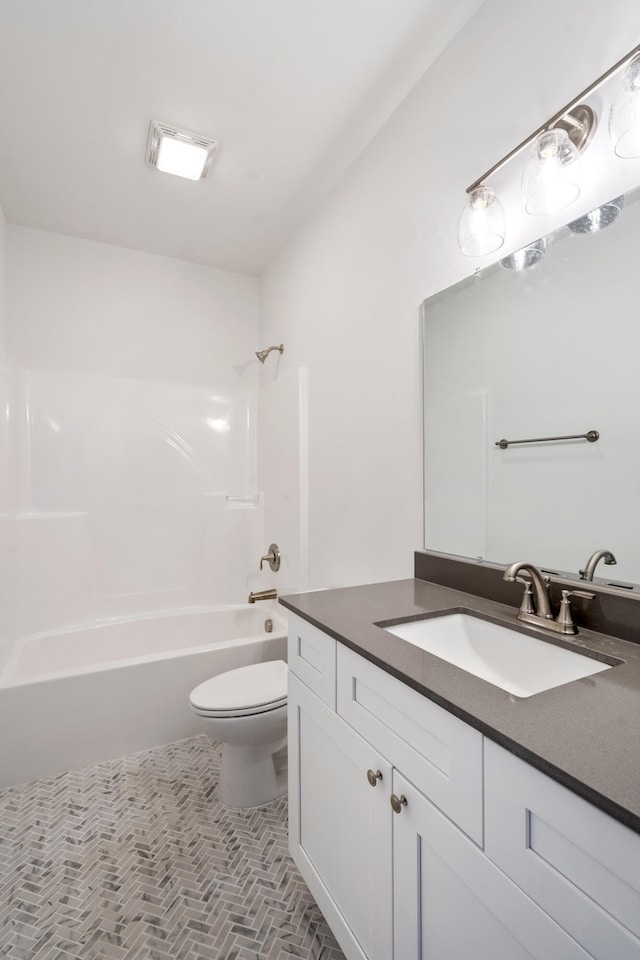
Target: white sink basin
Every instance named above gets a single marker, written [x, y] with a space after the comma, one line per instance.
[516, 662]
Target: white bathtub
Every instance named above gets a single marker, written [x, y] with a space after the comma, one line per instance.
[103, 690]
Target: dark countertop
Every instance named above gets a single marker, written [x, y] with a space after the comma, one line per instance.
[584, 734]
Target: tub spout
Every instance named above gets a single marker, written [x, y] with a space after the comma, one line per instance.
[263, 595]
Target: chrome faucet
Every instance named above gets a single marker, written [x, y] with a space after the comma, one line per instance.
[536, 605]
[592, 562]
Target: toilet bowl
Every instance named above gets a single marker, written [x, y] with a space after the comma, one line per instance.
[246, 709]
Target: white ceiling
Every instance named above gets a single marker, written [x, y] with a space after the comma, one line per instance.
[293, 89]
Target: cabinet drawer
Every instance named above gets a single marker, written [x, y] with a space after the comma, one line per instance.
[439, 753]
[581, 866]
[312, 658]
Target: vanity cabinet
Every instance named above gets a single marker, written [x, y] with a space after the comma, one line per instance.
[409, 884]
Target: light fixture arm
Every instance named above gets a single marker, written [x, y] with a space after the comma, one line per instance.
[573, 121]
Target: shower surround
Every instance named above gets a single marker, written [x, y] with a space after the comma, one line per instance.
[129, 491]
[128, 485]
[124, 493]
[130, 420]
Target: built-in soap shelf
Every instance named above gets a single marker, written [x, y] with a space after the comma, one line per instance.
[50, 514]
[243, 503]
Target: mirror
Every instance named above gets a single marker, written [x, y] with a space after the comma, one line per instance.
[550, 351]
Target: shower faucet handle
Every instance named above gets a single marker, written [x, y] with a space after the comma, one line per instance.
[272, 558]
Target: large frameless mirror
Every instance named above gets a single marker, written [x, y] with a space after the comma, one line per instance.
[528, 354]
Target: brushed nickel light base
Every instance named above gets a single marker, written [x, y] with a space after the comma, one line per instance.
[580, 123]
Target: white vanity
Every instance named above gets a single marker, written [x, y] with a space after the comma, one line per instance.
[420, 837]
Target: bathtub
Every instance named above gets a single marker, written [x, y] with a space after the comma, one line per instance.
[110, 688]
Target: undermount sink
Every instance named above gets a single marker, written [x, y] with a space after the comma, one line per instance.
[516, 662]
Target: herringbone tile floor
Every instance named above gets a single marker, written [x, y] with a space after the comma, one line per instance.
[136, 859]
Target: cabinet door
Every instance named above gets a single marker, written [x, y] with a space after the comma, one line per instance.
[340, 825]
[452, 903]
[580, 865]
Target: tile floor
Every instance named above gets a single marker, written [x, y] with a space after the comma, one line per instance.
[135, 859]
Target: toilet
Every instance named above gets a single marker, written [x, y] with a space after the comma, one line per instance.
[246, 709]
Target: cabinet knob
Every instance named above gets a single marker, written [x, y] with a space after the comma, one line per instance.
[398, 802]
[373, 777]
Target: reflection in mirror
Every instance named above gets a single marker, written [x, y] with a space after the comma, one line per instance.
[553, 350]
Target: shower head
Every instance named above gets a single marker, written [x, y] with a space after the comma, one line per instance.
[263, 354]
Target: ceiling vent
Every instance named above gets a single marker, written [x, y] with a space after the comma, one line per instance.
[181, 152]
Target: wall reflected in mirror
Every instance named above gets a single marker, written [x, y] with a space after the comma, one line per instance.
[548, 351]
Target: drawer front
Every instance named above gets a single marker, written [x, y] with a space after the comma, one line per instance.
[439, 753]
[581, 866]
[312, 658]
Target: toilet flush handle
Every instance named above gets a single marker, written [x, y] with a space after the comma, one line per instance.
[272, 558]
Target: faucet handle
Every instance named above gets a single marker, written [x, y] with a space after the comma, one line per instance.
[582, 594]
[565, 620]
[527, 597]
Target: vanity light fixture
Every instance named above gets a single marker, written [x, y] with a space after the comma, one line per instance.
[550, 179]
[180, 152]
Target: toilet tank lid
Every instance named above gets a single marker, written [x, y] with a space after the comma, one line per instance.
[245, 687]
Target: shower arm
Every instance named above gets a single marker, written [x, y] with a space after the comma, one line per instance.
[263, 354]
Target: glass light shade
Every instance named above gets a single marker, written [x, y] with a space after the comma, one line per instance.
[624, 115]
[526, 257]
[482, 224]
[550, 177]
[599, 218]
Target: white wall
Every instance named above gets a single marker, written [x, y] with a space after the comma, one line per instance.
[3, 282]
[7, 470]
[135, 408]
[283, 475]
[344, 293]
[93, 308]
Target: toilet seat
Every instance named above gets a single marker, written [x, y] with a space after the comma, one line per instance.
[245, 691]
